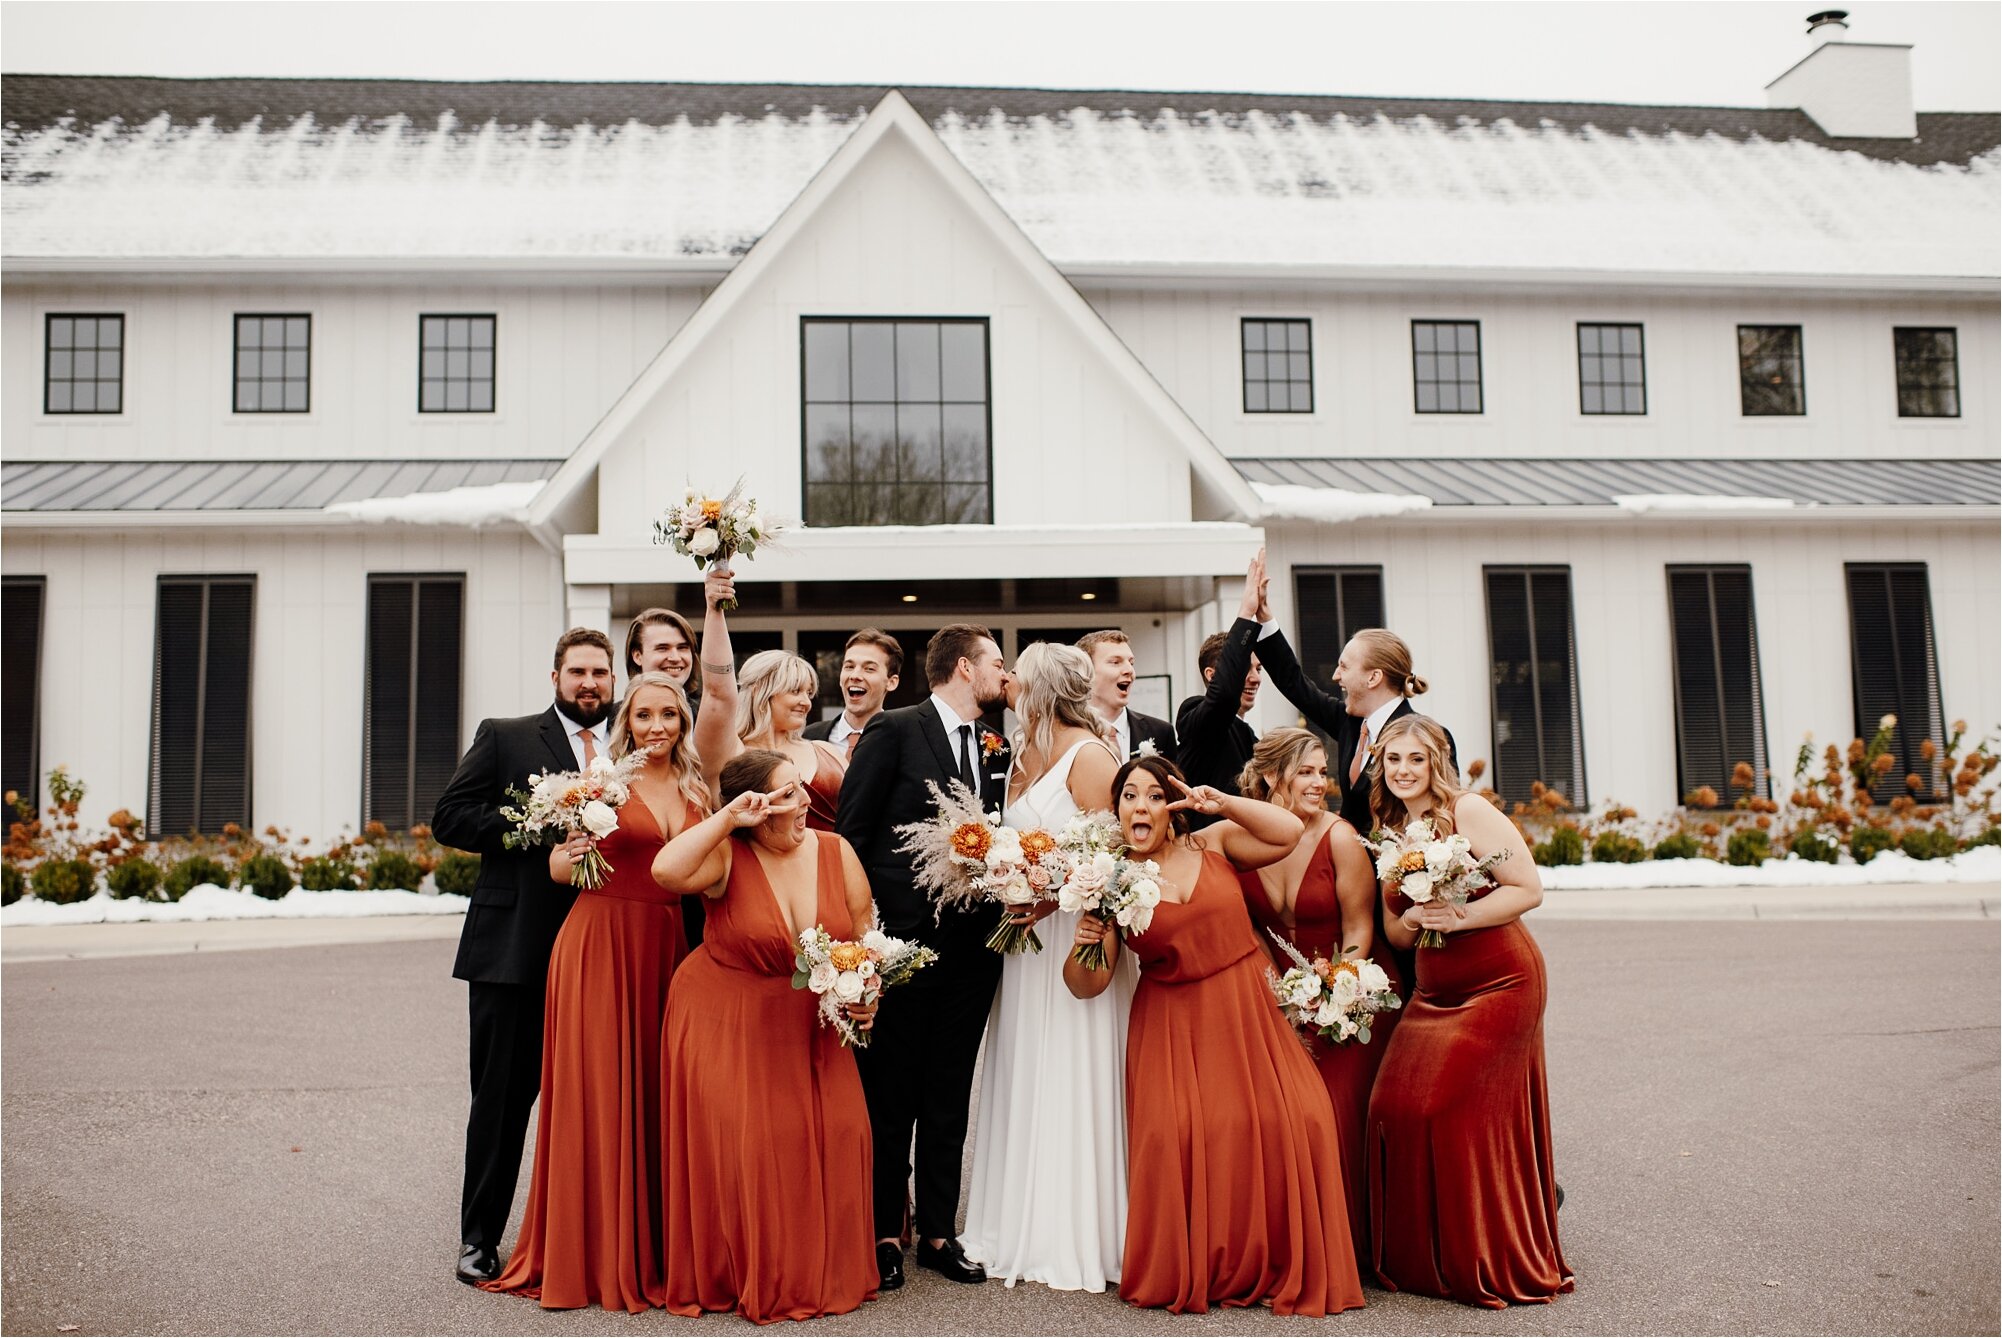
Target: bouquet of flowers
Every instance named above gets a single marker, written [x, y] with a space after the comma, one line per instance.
[1426, 869]
[1332, 1000]
[842, 972]
[558, 802]
[965, 857]
[714, 529]
[1100, 880]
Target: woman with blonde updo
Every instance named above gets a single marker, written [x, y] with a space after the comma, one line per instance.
[766, 704]
[1463, 1196]
[1322, 899]
[1048, 1196]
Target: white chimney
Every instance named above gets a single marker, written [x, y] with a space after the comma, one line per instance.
[1852, 90]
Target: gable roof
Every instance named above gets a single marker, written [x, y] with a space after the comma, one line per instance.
[894, 115]
[682, 173]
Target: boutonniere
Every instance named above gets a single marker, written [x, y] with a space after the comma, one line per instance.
[992, 744]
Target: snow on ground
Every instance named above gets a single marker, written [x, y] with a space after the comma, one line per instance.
[206, 901]
[1686, 504]
[1983, 865]
[487, 504]
[1333, 506]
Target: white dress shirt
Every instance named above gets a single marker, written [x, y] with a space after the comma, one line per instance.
[1374, 722]
[1122, 730]
[952, 722]
[572, 729]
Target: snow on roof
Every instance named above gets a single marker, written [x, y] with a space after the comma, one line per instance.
[333, 170]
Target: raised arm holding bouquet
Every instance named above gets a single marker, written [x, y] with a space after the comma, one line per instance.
[713, 530]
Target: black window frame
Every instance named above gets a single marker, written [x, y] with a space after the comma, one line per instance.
[1952, 362]
[1906, 743]
[1459, 386]
[236, 351]
[1640, 361]
[808, 404]
[1244, 353]
[1314, 664]
[427, 763]
[207, 643]
[50, 379]
[492, 378]
[1500, 781]
[1687, 781]
[23, 773]
[1799, 361]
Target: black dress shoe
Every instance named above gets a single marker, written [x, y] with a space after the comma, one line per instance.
[1560, 1196]
[477, 1264]
[889, 1265]
[950, 1261]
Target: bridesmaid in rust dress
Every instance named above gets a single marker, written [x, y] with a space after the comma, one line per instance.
[1463, 1200]
[1322, 899]
[1234, 1184]
[767, 1154]
[591, 1233]
[766, 704]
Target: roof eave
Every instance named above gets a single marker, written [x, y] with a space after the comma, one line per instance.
[1566, 513]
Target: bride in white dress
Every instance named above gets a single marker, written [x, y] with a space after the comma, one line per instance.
[1048, 1198]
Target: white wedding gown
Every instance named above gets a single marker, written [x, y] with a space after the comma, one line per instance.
[1048, 1199]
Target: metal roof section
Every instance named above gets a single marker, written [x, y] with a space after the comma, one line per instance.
[1473, 484]
[34, 487]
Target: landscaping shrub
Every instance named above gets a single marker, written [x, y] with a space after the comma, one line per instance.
[1929, 843]
[192, 872]
[1748, 846]
[63, 881]
[266, 875]
[392, 869]
[457, 873]
[1812, 845]
[1565, 846]
[1680, 845]
[13, 885]
[133, 879]
[1866, 843]
[326, 873]
[1617, 848]
[1993, 836]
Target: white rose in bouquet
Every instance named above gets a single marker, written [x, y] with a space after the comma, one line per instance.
[1147, 893]
[1068, 899]
[601, 765]
[867, 970]
[822, 979]
[704, 543]
[1417, 887]
[1014, 890]
[1438, 854]
[876, 941]
[1328, 1014]
[600, 819]
[848, 987]
[1420, 830]
[1303, 989]
[1374, 979]
[1344, 989]
[1005, 848]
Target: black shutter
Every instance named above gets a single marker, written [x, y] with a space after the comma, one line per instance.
[440, 634]
[387, 706]
[21, 602]
[1533, 673]
[1719, 704]
[411, 735]
[1895, 665]
[226, 708]
[1332, 604]
[201, 704]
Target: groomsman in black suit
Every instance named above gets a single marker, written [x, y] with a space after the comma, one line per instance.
[511, 927]
[1216, 739]
[918, 1071]
[1113, 670]
[871, 664]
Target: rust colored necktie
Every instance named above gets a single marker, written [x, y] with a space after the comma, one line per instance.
[590, 746]
[1362, 752]
[854, 736]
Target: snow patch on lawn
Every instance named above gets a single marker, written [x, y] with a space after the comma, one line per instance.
[1982, 865]
[206, 901]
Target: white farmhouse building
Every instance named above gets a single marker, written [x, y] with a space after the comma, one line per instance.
[1665, 435]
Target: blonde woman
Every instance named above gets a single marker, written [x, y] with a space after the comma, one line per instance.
[1048, 1198]
[1463, 1197]
[766, 704]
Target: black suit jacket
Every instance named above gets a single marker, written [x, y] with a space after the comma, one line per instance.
[1150, 729]
[823, 729]
[517, 908]
[885, 787]
[1216, 743]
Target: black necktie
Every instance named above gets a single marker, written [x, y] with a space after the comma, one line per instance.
[966, 770]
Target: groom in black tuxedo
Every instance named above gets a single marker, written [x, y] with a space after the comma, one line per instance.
[511, 927]
[918, 1071]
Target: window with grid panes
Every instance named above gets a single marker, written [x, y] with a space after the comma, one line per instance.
[83, 367]
[1770, 378]
[455, 372]
[201, 705]
[1928, 372]
[1332, 604]
[22, 599]
[1278, 366]
[1719, 700]
[1446, 366]
[1533, 667]
[274, 364]
[896, 421]
[1894, 670]
[1612, 376]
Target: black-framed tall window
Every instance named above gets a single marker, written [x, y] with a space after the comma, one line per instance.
[1895, 665]
[1612, 369]
[895, 421]
[22, 601]
[1928, 360]
[455, 364]
[201, 704]
[1278, 365]
[410, 706]
[83, 364]
[1771, 379]
[1330, 605]
[1533, 664]
[1720, 713]
[1446, 366]
[273, 371]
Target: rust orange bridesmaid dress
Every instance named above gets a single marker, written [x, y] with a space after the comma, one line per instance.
[1235, 1191]
[823, 792]
[1348, 1071]
[767, 1153]
[591, 1232]
[1463, 1195]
